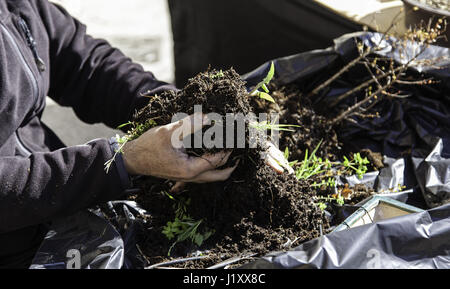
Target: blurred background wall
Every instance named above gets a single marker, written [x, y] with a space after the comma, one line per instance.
[140, 28]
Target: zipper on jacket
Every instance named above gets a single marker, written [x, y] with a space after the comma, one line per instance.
[29, 72]
[22, 146]
[31, 43]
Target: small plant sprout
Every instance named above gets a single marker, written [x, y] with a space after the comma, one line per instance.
[136, 131]
[324, 172]
[330, 182]
[217, 75]
[358, 164]
[286, 156]
[265, 125]
[322, 205]
[263, 85]
[311, 165]
[184, 227]
[338, 199]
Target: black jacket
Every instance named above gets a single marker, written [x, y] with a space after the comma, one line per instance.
[46, 52]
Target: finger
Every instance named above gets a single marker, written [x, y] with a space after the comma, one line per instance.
[178, 187]
[289, 169]
[215, 175]
[275, 152]
[209, 161]
[218, 159]
[281, 160]
[278, 156]
[274, 164]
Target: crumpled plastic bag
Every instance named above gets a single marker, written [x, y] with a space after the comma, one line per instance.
[83, 240]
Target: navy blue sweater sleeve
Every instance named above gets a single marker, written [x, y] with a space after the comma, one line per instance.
[98, 81]
[48, 185]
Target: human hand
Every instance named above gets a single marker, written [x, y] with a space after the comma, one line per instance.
[156, 153]
[276, 160]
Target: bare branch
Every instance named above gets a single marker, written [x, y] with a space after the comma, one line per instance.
[340, 72]
[363, 85]
[396, 95]
[417, 82]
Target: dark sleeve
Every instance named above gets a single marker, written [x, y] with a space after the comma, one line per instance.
[98, 81]
[44, 186]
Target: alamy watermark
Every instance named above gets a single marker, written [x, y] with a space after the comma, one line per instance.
[228, 131]
[73, 259]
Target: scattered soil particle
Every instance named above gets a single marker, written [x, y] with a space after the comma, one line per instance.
[375, 158]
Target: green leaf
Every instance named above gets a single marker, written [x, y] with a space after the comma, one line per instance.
[346, 162]
[266, 96]
[286, 153]
[322, 206]
[198, 239]
[124, 124]
[169, 195]
[270, 74]
[264, 82]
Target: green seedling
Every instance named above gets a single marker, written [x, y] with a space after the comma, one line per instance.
[323, 200]
[311, 165]
[330, 182]
[340, 200]
[265, 125]
[136, 131]
[322, 206]
[358, 164]
[286, 156]
[263, 85]
[184, 227]
[217, 75]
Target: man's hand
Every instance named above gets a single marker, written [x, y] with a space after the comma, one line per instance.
[155, 154]
[276, 160]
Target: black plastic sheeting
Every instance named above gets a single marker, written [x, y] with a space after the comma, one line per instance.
[419, 124]
[418, 240]
[83, 240]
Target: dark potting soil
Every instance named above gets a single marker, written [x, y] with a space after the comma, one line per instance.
[256, 211]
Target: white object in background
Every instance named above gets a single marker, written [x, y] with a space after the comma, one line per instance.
[140, 28]
[376, 14]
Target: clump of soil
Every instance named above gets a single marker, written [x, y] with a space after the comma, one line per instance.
[254, 212]
[375, 158]
[216, 91]
[219, 92]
